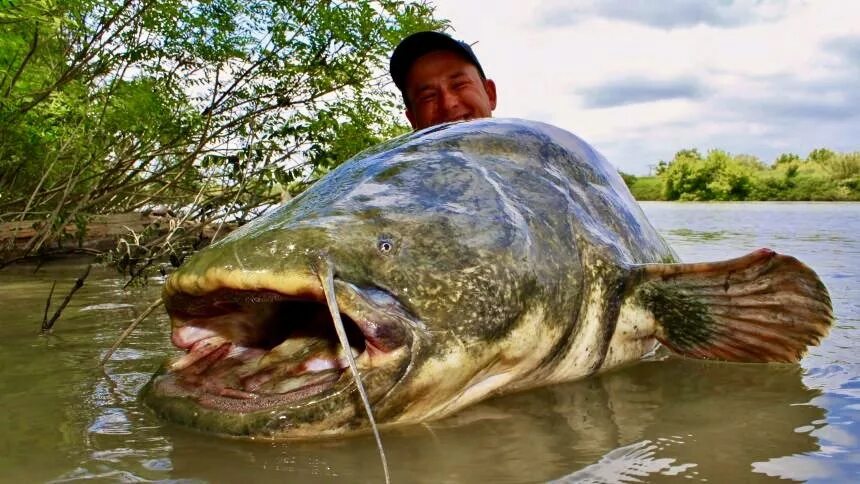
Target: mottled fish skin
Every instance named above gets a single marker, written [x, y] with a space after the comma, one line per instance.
[508, 243]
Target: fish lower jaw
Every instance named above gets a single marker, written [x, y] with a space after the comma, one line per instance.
[221, 375]
[215, 369]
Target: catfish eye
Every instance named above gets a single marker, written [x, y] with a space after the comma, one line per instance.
[385, 246]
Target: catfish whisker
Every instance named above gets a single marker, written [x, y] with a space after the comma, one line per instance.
[327, 279]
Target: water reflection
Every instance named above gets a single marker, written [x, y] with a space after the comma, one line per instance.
[658, 421]
[686, 233]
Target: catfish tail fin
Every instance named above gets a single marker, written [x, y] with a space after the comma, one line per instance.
[762, 307]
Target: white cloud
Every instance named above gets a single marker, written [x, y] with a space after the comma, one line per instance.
[666, 14]
[639, 84]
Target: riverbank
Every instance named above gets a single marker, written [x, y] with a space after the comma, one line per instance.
[101, 234]
[823, 176]
[800, 189]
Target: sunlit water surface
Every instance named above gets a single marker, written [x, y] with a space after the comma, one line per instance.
[62, 418]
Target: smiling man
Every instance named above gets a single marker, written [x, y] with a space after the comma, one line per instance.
[441, 80]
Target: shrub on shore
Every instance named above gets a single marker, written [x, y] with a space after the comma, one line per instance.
[824, 175]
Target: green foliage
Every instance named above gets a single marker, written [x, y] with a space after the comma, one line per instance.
[825, 175]
[820, 154]
[212, 108]
[647, 188]
[786, 158]
[629, 179]
[691, 154]
[843, 166]
[689, 176]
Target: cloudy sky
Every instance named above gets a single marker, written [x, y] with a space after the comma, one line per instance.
[641, 79]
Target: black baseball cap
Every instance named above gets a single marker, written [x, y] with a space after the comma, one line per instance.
[420, 43]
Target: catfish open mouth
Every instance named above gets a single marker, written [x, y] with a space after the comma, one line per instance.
[248, 350]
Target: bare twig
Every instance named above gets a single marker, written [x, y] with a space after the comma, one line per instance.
[48, 304]
[129, 329]
[140, 272]
[44, 177]
[79, 282]
[45, 232]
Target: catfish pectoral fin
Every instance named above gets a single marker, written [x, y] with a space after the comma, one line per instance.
[762, 307]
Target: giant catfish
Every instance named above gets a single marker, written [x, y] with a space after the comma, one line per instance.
[466, 260]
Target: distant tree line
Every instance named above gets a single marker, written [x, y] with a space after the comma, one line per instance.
[691, 176]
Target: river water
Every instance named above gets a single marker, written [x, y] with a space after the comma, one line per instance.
[62, 418]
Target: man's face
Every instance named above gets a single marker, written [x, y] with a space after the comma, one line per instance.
[442, 86]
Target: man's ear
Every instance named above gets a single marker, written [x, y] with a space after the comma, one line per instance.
[490, 87]
[411, 117]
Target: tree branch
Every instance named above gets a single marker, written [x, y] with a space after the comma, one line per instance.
[33, 44]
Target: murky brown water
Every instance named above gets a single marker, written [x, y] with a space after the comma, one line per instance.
[667, 420]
